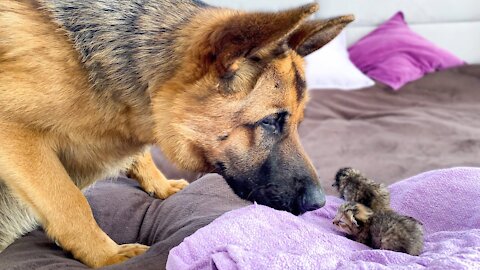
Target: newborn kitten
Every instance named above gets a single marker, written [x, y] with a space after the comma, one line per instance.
[355, 187]
[382, 229]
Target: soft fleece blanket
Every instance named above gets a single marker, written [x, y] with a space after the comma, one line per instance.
[256, 237]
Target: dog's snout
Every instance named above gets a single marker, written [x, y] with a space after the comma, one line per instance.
[312, 199]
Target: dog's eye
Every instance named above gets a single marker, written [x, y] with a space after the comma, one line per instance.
[270, 123]
[274, 123]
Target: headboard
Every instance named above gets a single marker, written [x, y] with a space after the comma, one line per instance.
[451, 24]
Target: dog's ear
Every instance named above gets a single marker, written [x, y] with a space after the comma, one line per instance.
[314, 34]
[245, 33]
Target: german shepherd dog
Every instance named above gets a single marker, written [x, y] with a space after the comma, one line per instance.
[87, 86]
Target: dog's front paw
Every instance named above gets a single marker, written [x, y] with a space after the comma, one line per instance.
[165, 189]
[125, 252]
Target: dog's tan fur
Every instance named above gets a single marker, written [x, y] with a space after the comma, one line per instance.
[59, 135]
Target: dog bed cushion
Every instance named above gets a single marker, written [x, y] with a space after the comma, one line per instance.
[129, 215]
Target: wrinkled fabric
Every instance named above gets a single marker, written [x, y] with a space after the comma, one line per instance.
[257, 237]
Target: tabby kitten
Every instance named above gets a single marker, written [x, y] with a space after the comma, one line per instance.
[355, 187]
[381, 229]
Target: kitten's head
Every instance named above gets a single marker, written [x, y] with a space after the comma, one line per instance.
[351, 216]
[343, 177]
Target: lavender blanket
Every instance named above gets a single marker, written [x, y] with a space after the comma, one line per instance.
[257, 237]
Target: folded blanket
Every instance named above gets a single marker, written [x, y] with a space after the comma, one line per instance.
[257, 237]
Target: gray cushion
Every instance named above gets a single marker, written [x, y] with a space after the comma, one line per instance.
[128, 215]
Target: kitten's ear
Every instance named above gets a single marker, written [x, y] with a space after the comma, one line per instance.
[354, 221]
[363, 213]
[314, 34]
[351, 218]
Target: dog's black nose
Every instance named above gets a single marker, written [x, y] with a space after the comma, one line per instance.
[312, 199]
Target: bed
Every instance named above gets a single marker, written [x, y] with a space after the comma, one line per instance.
[431, 123]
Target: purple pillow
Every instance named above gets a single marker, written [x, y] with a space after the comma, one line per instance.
[395, 55]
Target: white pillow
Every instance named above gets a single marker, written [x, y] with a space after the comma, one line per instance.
[330, 67]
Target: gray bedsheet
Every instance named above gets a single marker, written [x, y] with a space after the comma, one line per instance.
[431, 123]
[428, 124]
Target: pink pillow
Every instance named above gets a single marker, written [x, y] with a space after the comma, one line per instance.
[395, 55]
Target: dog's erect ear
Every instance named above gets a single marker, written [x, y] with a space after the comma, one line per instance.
[245, 33]
[314, 34]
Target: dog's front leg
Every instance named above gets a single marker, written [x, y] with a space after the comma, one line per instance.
[151, 179]
[31, 169]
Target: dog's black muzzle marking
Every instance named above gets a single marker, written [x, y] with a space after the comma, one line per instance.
[284, 182]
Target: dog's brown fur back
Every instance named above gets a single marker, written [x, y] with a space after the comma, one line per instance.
[74, 110]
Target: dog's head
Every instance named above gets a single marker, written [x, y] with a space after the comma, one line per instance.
[237, 99]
